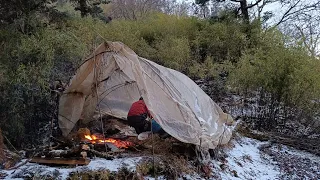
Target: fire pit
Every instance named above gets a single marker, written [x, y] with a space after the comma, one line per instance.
[83, 144]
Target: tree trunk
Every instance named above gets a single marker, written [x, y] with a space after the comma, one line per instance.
[83, 7]
[244, 10]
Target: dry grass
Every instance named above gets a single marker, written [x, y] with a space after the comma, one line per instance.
[172, 157]
[122, 174]
[171, 167]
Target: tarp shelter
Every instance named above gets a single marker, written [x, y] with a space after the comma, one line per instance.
[114, 77]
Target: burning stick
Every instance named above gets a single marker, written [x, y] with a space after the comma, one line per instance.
[118, 143]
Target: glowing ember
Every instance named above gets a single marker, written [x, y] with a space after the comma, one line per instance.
[118, 143]
[88, 137]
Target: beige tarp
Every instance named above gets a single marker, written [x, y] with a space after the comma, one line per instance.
[114, 77]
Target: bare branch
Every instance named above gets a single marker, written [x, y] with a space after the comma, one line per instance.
[254, 4]
[298, 12]
[287, 13]
[264, 3]
[309, 37]
[304, 39]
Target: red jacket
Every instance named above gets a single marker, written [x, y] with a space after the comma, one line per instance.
[138, 108]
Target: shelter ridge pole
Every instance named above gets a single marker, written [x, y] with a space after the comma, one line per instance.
[154, 168]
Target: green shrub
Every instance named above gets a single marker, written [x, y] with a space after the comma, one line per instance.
[30, 63]
[38, 49]
[285, 76]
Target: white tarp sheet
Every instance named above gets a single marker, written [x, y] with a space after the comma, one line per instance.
[114, 77]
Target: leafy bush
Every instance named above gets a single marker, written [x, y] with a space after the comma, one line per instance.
[286, 78]
[38, 48]
[30, 62]
[181, 43]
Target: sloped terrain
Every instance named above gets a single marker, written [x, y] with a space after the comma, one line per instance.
[243, 158]
[253, 159]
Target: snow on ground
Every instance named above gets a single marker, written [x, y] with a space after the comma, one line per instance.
[246, 159]
[42, 171]
[246, 162]
[294, 164]
[253, 159]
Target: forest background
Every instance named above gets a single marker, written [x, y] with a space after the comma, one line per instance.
[262, 63]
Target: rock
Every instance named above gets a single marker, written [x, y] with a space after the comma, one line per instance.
[234, 173]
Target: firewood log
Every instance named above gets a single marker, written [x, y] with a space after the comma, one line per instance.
[101, 154]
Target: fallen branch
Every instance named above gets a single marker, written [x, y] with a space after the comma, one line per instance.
[16, 167]
[57, 140]
[101, 154]
[136, 149]
[55, 147]
[309, 145]
[60, 161]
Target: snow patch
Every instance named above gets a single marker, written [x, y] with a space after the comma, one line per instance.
[42, 171]
[245, 161]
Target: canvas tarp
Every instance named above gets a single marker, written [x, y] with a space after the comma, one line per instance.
[114, 77]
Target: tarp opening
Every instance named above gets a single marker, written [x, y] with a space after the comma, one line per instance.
[114, 77]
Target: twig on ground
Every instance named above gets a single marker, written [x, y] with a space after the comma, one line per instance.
[58, 140]
[100, 154]
[16, 167]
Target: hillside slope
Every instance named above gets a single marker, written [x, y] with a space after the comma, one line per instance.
[244, 158]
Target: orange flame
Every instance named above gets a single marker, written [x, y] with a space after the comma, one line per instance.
[118, 143]
[88, 137]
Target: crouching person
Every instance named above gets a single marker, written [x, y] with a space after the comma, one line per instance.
[137, 118]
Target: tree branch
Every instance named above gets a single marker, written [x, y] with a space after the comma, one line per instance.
[252, 5]
[304, 39]
[311, 42]
[287, 13]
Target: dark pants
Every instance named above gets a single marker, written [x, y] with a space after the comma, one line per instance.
[139, 123]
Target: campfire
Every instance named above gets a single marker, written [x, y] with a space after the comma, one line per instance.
[81, 145]
[98, 139]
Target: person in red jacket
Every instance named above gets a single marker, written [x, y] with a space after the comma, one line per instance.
[137, 116]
